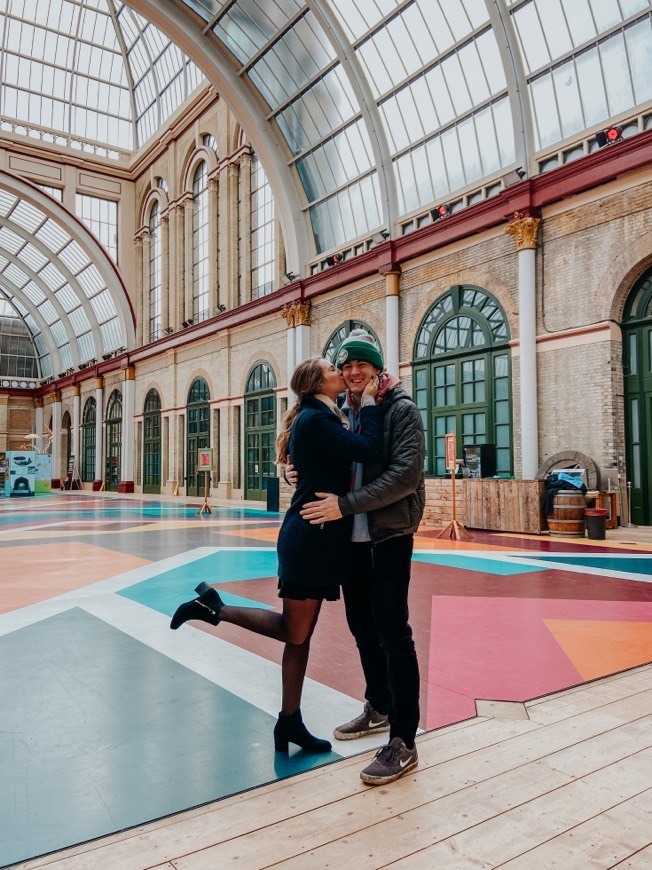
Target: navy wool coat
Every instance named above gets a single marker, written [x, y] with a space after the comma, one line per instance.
[322, 451]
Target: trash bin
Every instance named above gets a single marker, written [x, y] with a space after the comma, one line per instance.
[273, 494]
[596, 523]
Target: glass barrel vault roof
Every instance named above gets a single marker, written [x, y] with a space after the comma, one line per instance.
[388, 106]
[88, 70]
[58, 286]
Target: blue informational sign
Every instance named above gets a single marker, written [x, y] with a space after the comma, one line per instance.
[22, 473]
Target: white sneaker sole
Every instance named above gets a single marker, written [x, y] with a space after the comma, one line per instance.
[370, 779]
[353, 735]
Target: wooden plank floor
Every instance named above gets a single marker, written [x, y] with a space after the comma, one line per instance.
[563, 781]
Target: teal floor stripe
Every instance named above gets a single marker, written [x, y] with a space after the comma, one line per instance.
[609, 562]
[99, 732]
[166, 591]
[501, 566]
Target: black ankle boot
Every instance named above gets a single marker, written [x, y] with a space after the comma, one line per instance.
[290, 729]
[206, 608]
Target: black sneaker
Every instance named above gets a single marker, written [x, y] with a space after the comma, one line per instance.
[391, 762]
[368, 722]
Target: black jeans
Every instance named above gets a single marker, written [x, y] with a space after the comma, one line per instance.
[376, 602]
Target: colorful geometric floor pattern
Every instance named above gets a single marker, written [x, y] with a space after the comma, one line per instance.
[108, 719]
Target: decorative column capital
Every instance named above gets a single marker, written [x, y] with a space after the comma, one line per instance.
[304, 310]
[288, 313]
[524, 230]
[130, 373]
[99, 383]
[38, 401]
[56, 396]
[297, 313]
[76, 390]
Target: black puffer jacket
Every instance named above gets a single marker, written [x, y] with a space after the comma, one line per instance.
[392, 493]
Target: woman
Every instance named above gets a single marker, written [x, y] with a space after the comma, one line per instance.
[313, 560]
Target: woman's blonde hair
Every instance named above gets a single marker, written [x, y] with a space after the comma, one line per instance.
[306, 380]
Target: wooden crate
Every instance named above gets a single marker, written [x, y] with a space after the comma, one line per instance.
[504, 505]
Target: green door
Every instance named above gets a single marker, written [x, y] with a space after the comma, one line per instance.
[152, 443]
[260, 432]
[638, 420]
[637, 378]
[198, 436]
[113, 442]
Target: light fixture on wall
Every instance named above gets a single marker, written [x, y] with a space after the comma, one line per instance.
[187, 323]
[380, 237]
[514, 176]
[219, 309]
[441, 211]
[333, 260]
[168, 330]
[609, 136]
[289, 277]
[108, 355]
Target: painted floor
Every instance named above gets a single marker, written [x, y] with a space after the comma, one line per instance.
[109, 720]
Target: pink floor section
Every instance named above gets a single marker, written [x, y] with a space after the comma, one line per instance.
[515, 649]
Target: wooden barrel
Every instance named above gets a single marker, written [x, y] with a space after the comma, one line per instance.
[567, 516]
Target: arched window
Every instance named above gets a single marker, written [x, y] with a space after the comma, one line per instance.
[262, 231]
[260, 430]
[637, 377]
[152, 443]
[155, 285]
[336, 339]
[89, 430]
[113, 440]
[200, 244]
[462, 376]
[198, 432]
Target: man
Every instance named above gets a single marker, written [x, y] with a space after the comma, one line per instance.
[387, 500]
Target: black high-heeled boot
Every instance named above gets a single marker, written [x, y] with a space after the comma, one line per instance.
[290, 729]
[206, 608]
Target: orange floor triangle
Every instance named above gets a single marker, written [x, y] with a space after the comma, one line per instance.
[597, 648]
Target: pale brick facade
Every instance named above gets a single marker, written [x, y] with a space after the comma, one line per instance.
[591, 248]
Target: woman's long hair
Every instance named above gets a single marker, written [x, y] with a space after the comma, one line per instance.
[307, 379]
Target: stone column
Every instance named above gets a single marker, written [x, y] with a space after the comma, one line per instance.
[143, 311]
[141, 332]
[289, 315]
[99, 429]
[76, 427]
[39, 428]
[166, 307]
[302, 330]
[128, 430]
[239, 175]
[56, 436]
[213, 277]
[391, 357]
[524, 230]
[187, 303]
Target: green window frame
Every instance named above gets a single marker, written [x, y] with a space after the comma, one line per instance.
[462, 376]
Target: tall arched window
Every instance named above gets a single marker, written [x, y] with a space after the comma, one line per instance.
[260, 430]
[336, 339]
[200, 244]
[155, 287]
[462, 376]
[113, 440]
[637, 377]
[262, 231]
[88, 440]
[198, 432]
[152, 443]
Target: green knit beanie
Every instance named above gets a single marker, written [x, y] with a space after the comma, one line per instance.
[360, 346]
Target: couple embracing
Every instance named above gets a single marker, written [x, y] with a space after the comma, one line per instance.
[358, 501]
